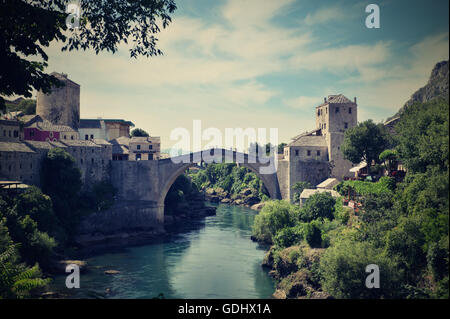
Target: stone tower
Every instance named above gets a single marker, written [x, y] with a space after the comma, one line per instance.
[334, 117]
[62, 105]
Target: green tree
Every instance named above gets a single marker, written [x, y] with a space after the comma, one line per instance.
[28, 27]
[281, 148]
[422, 136]
[365, 142]
[388, 158]
[343, 269]
[298, 188]
[320, 205]
[274, 216]
[139, 132]
[40, 208]
[17, 280]
[61, 180]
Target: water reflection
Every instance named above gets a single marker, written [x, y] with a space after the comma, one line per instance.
[215, 259]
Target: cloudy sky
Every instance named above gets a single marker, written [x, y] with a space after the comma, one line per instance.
[255, 63]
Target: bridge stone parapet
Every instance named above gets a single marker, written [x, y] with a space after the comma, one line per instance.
[142, 187]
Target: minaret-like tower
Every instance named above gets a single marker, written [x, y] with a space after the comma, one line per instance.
[333, 118]
[62, 105]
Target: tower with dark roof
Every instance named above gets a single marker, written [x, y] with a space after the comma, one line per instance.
[333, 117]
[62, 105]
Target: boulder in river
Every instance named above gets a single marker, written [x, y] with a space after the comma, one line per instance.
[258, 206]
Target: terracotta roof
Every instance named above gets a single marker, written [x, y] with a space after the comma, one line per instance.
[328, 183]
[44, 144]
[80, 143]
[309, 140]
[123, 140]
[120, 149]
[306, 133]
[100, 141]
[309, 192]
[15, 147]
[45, 125]
[336, 99]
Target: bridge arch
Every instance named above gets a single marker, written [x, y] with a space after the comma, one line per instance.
[270, 181]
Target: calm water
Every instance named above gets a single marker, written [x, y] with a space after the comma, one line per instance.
[213, 259]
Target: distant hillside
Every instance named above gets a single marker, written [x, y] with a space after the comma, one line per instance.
[437, 87]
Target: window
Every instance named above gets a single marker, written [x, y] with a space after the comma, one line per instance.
[9, 133]
[16, 134]
[86, 137]
[92, 151]
[65, 137]
[309, 153]
[92, 136]
[92, 160]
[324, 126]
[31, 133]
[71, 137]
[326, 110]
[349, 110]
[346, 125]
[31, 165]
[150, 147]
[4, 132]
[138, 157]
[337, 109]
[296, 152]
[81, 161]
[318, 153]
[138, 147]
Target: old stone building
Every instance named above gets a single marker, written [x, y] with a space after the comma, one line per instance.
[107, 129]
[316, 155]
[10, 131]
[136, 148]
[62, 105]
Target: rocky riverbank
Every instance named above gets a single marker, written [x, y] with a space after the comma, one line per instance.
[193, 208]
[292, 269]
[245, 198]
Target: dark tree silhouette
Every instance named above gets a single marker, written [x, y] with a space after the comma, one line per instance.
[29, 26]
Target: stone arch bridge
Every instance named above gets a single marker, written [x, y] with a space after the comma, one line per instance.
[142, 187]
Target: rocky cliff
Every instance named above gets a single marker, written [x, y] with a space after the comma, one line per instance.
[437, 87]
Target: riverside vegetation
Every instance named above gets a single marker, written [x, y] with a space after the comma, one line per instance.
[321, 249]
[229, 183]
[37, 226]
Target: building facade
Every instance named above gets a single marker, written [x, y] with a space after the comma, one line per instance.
[106, 129]
[316, 155]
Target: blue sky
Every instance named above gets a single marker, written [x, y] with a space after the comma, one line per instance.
[255, 63]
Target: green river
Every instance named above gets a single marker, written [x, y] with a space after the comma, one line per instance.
[212, 258]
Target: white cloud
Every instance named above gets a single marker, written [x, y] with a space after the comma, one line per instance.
[326, 15]
[303, 102]
[210, 70]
